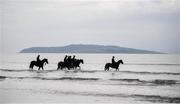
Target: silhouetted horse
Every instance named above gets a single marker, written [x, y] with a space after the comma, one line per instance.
[113, 65]
[38, 64]
[62, 65]
[76, 63]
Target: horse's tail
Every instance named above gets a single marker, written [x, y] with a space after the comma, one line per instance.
[31, 65]
[58, 66]
[106, 67]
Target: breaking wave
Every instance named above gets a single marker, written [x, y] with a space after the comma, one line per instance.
[149, 82]
[155, 82]
[150, 98]
[94, 71]
[138, 97]
[62, 78]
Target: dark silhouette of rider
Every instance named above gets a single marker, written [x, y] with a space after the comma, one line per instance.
[74, 58]
[69, 59]
[113, 61]
[65, 58]
[38, 59]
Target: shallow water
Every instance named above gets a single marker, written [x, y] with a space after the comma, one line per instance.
[143, 78]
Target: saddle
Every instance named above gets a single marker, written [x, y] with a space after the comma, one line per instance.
[38, 62]
[114, 63]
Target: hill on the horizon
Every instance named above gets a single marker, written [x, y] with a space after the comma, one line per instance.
[82, 48]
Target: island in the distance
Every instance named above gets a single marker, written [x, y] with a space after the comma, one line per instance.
[84, 48]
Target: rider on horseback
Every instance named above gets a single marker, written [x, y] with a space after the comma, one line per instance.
[39, 63]
[113, 61]
[38, 59]
[73, 59]
[69, 59]
[65, 58]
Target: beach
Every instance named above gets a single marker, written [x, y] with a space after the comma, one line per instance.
[142, 79]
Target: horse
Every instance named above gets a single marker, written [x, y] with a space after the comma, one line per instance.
[113, 65]
[62, 65]
[77, 62]
[38, 64]
[70, 65]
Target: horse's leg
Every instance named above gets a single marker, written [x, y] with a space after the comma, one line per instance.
[72, 67]
[106, 68]
[61, 67]
[68, 68]
[42, 68]
[32, 67]
[117, 69]
[76, 67]
[39, 68]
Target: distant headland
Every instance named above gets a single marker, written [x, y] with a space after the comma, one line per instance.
[87, 48]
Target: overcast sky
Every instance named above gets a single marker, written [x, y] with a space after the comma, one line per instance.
[142, 24]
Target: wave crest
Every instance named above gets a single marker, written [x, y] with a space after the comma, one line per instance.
[150, 82]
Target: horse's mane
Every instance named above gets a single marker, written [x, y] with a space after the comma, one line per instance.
[44, 59]
[120, 61]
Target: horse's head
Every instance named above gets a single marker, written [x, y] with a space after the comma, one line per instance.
[121, 61]
[45, 61]
[81, 61]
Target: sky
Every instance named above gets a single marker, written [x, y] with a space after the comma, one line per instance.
[141, 24]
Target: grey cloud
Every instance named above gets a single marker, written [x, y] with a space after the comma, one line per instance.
[125, 23]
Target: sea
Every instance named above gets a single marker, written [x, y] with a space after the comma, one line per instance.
[142, 79]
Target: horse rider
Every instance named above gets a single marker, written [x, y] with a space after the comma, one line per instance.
[38, 59]
[113, 61]
[65, 58]
[68, 59]
[73, 59]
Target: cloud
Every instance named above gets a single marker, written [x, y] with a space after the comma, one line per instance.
[118, 22]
